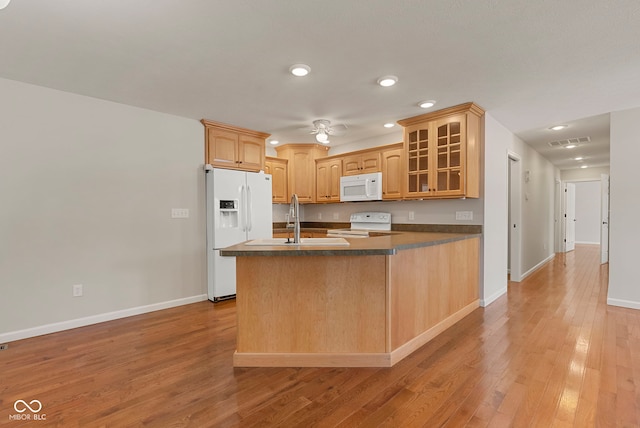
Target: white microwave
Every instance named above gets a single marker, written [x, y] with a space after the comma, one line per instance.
[362, 187]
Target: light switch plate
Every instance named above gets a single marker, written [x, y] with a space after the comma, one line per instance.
[179, 212]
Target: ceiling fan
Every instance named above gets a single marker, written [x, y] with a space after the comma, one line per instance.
[322, 128]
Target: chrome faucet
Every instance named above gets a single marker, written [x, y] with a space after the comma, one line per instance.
[294, 211]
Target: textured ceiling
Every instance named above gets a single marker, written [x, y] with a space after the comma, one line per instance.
[530, 64]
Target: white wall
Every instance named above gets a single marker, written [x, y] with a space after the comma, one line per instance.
[86, 188]
[538, 209]
[588, 212]
[624, 205]
[496, 197]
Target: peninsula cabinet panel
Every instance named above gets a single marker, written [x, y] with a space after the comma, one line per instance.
[439, 286]
[231, 147]
[443, 153]
[278, 169]
[392, 173]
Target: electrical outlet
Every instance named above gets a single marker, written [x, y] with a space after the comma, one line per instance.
[319, 216]
[412, 215]
[77, 290]
[336, 216]
[464, 215]
[179, 212]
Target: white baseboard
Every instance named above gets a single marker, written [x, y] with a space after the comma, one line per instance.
[588, 243]
[536, 267]
[487, 301]
[623, 303]
[95, 319]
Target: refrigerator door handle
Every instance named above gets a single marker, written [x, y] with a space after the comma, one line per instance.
[249, 209]
[243, 203]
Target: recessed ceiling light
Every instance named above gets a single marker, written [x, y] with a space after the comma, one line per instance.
[299, 69]
[389, 125]
[387, 81]
[578, 158]
[427, 104]
[570, 146]
[274, 142]
[4, 3]
[584, 166]
[558, 127]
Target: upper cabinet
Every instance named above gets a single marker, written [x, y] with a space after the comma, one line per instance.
[302, 168]
[328, 172]
[230, 147]
[392, 159]
[442, 151]
[361, 163]
[278, 169]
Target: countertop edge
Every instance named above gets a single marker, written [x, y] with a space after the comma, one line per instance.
[267, 251]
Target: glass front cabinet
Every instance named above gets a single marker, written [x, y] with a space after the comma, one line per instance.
[443, 151]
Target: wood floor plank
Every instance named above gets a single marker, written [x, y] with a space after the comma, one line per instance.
[550, 353]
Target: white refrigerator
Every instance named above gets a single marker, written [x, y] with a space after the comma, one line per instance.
[238, 209]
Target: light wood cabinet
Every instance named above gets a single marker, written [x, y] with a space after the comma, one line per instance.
[392, 160]
[278, 169]
[301, 172]
[443, 151]
[361, 163]
[231, 147]
[328, 172]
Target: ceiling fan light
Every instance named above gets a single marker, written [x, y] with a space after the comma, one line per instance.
[322, 137]
[427, 104]
[299, 70]
[387, 81]
[4, 3]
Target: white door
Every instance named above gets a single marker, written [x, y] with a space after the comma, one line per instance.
[259, 203]
[570, 217]
[604, 226]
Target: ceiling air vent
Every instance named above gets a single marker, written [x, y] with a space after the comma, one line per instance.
[569, 141]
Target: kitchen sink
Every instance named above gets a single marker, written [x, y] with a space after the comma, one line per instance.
[303, 242]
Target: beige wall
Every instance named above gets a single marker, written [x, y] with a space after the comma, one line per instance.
[86, 189]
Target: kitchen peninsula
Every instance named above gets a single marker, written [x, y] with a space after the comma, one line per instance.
[368, 304]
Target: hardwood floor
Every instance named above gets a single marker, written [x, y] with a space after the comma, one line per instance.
[550, 353]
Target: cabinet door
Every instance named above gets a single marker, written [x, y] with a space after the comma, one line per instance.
[351, 165]
[449, 147]
[223, 146]
[418, 142]
[335, 171]
[250, 153]
[370, 162]
[302, 175]
[278, 170]
[328, 180]
[322, 181]
[392, 174]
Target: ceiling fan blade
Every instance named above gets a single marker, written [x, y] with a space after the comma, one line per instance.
[338, 130]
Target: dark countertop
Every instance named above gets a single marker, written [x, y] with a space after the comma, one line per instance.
[388, 244]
